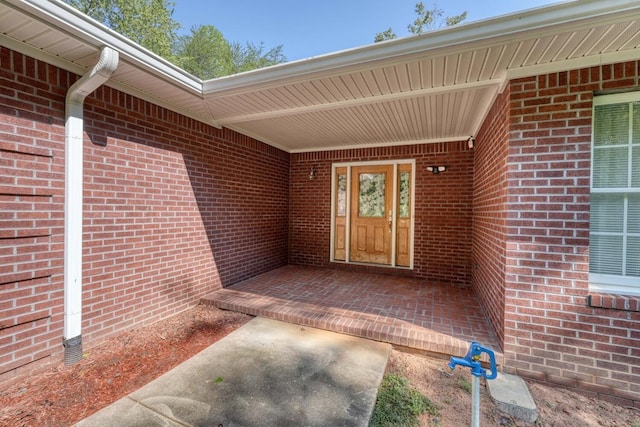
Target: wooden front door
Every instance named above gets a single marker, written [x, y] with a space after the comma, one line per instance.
[371, 214]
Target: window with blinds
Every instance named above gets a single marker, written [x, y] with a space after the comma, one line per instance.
[614, 247]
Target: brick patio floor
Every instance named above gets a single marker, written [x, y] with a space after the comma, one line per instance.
[414, 313]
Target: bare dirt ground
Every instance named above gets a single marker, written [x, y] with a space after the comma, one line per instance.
[450, 392]
[61, 396]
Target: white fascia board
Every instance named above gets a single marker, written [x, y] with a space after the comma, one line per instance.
[64, 17]
[463, 37]
[377, 144]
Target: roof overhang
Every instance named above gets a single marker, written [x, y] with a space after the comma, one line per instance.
[434, 87]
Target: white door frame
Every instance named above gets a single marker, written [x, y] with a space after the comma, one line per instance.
[348, 166]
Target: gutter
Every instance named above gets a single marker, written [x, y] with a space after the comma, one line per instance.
[95, 34]
[73, 174]
[541, 21]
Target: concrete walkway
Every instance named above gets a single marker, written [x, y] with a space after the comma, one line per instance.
[266, 373]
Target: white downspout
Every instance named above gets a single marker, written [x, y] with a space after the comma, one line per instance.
[73, 172]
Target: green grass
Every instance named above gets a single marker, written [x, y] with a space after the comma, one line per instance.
[464, 384]
[399, 405]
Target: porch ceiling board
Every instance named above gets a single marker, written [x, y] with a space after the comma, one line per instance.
[411, 120]
[446, 117]
[437, 86]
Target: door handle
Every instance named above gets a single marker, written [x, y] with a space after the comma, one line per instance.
[390, 218]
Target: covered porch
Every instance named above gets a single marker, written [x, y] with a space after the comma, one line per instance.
[418, 314]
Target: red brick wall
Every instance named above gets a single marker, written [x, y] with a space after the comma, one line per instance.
[551, 333]
[490, 212]
[443, 211]
[173, 209]
[31, 210]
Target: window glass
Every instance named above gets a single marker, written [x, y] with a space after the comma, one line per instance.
[633, 256]
[610, 167]
[605, 254]
[633, 213]
[405, 179]
[611, 125]
[342, 195]
[635, 166]
[372, 192]
[614, 245]
[607, 213]
[611, 145]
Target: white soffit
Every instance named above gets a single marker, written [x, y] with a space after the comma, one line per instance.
[434, 87]
[52, 31]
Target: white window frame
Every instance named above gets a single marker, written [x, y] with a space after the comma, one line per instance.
[608, 283]
[348, 166]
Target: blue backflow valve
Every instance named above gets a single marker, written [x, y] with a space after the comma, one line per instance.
[472, 361]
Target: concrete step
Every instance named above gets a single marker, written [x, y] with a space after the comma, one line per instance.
[511, 395]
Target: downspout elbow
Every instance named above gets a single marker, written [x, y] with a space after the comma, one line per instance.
[74, 135]
[96, 77]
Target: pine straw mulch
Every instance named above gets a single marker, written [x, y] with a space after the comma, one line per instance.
[62, 396]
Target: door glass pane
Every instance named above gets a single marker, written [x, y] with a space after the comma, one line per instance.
[404, 195]
[371, 196]
[342, 195]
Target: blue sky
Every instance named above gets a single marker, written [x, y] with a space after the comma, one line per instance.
[310, 28]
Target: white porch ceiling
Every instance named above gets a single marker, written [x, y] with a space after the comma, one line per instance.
[434, 87]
